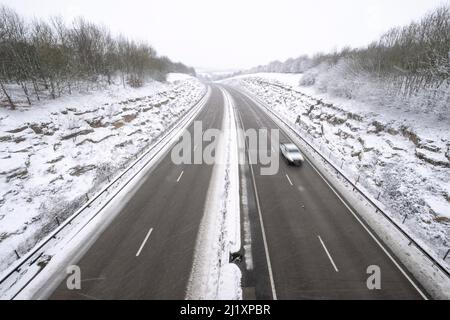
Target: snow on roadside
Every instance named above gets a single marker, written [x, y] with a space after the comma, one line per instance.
[212, 275]
[56, 154]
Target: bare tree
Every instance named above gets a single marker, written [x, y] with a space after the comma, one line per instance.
[52, 58]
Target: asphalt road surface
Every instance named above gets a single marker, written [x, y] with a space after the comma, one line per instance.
[311, 246]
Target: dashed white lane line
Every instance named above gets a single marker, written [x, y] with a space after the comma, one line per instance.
[328, 254]
[289, 179]
[143, 242]
[195, 147]
[179, 177]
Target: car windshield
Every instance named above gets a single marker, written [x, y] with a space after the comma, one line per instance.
[292, 148]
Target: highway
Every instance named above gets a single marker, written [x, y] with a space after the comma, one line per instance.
[129, 261]
[317, 249]
[306, 242]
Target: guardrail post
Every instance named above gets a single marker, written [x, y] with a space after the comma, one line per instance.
[448, 251]
[356, 182]
[404, 219]
[379, 194]
[18, 257]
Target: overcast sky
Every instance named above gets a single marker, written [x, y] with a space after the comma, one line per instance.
[233, 34]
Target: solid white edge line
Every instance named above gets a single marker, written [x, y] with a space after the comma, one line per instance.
[143, 243]
[328, 254]
[258, 206]
[179, 177]
[351, 210]
[289, 179]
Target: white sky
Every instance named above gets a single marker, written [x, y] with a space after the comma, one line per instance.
[233, 34]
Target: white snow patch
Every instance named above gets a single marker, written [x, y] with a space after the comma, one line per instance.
[440, 207]
[212, 276]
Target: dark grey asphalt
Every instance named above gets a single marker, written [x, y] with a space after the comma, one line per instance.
[294, 217]
[110, 268]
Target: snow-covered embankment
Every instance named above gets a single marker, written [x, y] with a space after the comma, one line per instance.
[56, 155]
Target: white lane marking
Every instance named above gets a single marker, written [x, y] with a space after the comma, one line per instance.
[328, 254]
[143, 243]
[289, 179]
[195, 147]
[356, 217]
[179, 177]
[87, 296]
[258, 206]
[93, 279]
[248, 255]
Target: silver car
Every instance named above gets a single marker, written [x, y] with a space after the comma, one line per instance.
[291, 153]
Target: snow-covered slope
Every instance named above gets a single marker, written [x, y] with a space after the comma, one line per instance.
[401, 157]
[55, 155]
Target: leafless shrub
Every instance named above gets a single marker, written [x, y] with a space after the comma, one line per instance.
[48, 58]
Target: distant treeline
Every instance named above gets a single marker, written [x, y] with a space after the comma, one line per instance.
[410, 58]
[49, 58]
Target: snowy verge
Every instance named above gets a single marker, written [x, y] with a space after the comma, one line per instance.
[433, 280]
[34, 275]
[212, 275]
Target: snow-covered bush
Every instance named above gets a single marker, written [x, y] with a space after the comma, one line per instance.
[348, 80]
